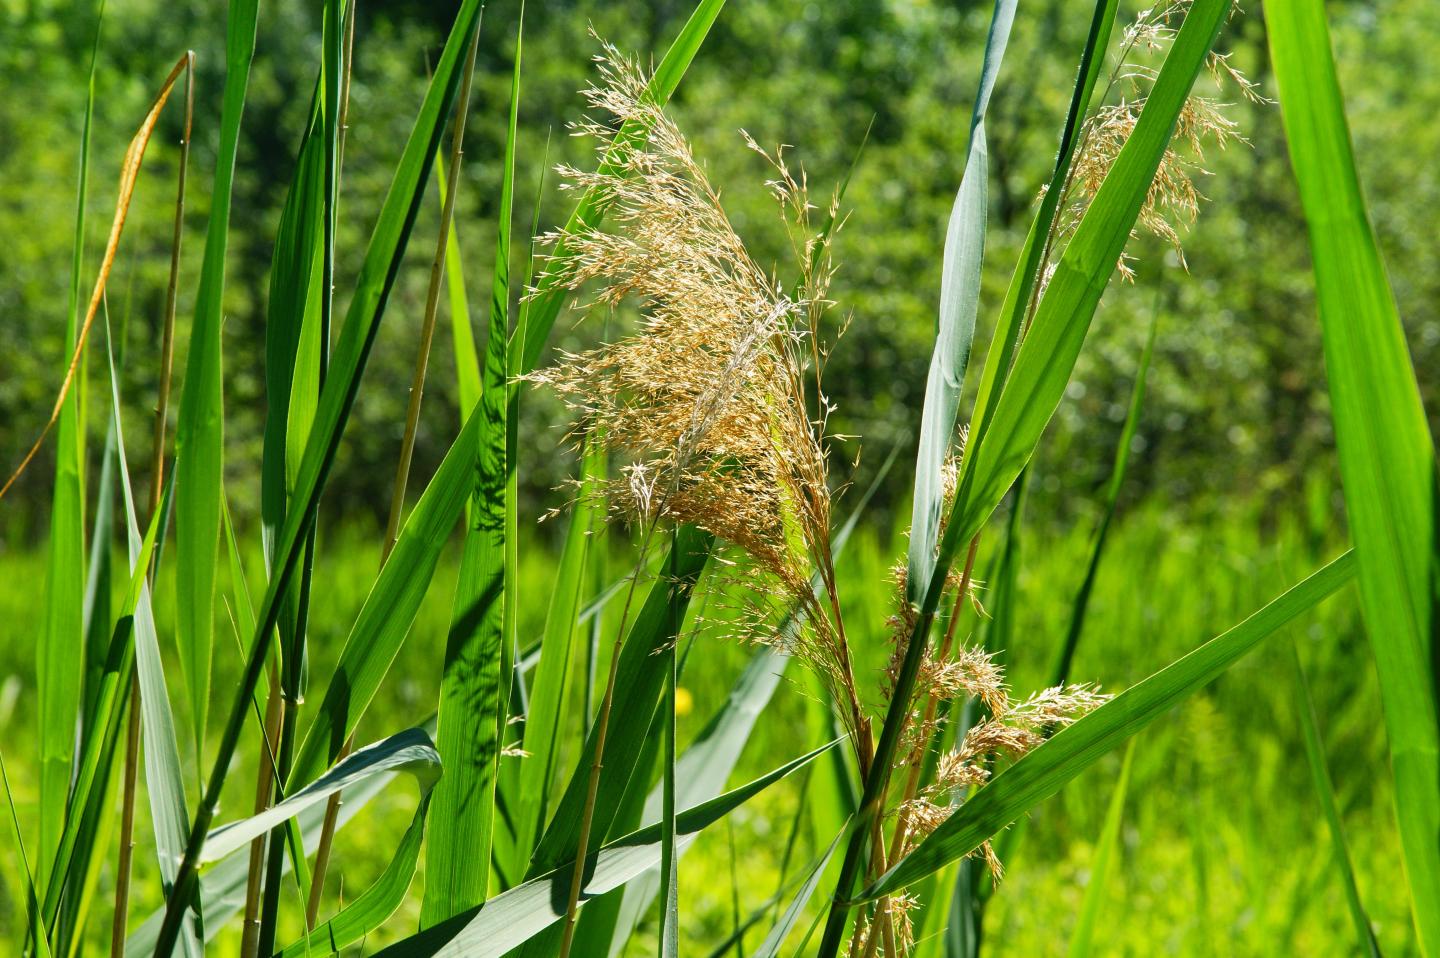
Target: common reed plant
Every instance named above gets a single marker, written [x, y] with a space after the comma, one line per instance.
[554, 802]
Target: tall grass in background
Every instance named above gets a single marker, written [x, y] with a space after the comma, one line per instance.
[554, 807]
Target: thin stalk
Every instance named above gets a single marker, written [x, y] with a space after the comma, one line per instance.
[864, 743]
[602, 728]
[127, 820]
[669, 894]
[327, 839]
[412, 412]
[167, 341]
[289, 696]
[157, 482]
[264, 782]
[432, 304]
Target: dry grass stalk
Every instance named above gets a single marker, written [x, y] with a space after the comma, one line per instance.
[129, 176]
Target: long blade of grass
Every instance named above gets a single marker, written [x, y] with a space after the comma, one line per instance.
[959, 302]
[32, 902]
[545, 719]
[110, 713]
[294, 280]
[1046, 769]
[544, 307]
[1387, 457]
[199, 430]
[58, 688]
[545, 712]
[1046, 357]
[98, 615]
[1111, 498]
[1325, 791]
[638, 682]
[473, 707]
[514, 917]
[770, 947]
[164, 778]
[97, 828]
[1083, 937]
[472, 719]
[367, 306]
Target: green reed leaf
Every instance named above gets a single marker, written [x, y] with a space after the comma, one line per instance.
[200, 427]
[1082, 939]
[473, 702]
[58, 681]
[959, 302]
[1325, 791]
[1387, 456]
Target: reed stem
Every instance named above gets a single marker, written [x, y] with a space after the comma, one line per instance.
[264, 782]
[912, 781]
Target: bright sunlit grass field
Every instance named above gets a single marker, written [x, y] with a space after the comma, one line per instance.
[1212, 863]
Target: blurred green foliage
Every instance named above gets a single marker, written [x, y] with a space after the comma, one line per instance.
[1237, 403]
